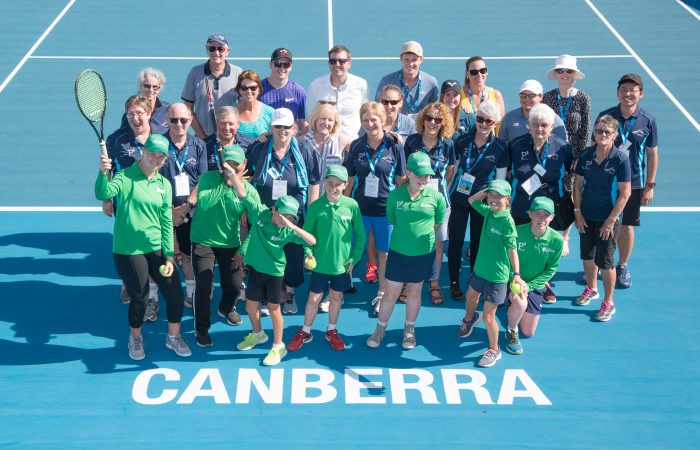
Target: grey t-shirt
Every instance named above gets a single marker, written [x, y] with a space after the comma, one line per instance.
[223, 91]
[429, 91]
[514, 124]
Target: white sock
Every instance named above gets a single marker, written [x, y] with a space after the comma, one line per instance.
[381, 324]
[306, 329]
[189, 287]
[279, 346]
[331, 327]
[409, 324]
[153, 291]
[259, 333]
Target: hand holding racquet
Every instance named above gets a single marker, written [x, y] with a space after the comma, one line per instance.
[91, 97]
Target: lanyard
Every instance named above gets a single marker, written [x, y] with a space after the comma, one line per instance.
[563, 112]
[624, 134]
[179, 162]
[407, 93]
[483, 94]
[269, 160]
[544, 153]
[380, 150]
[437, 161]
[217, 147]
[398, 123]
[468, 166]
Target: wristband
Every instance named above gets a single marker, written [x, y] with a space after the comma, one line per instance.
[651, 184]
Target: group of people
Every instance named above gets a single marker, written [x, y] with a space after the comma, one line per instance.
[267, 179]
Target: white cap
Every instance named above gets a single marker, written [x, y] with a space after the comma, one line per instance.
[565, 62]
[282, 116]
[412, 47]
[533, 86]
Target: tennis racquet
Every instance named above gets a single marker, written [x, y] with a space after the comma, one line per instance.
[91, 97]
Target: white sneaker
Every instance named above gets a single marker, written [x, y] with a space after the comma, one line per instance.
[291, 306]
[264, 310]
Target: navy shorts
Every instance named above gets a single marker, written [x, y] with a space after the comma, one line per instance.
[319, 282]
[490, 292]
[262, 286]
[534, 301]
[631, 213]
[409, 269]
[593, 247]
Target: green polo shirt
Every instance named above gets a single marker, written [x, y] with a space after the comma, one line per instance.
[539, 257]
[144, 217]
[263, 248]
[414, 220]
[217, 219]
[497, 236]
[335, 227]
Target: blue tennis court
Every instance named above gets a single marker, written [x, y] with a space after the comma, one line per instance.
[67, 381]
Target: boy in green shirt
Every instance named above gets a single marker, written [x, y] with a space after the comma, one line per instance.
[263, 251]
[539, 252]
[335, 221]
[497, 255]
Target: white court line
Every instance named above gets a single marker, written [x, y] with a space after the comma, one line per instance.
[689, 9]
[322, 58]
[35, 46]
[673, 209]
[690, 118]
[330, 24]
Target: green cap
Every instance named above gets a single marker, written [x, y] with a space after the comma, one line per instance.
[157, 143]
[234, 153]
[287, 205]
[544, 203]
[338, 171]
[419, 163]
[500, 186]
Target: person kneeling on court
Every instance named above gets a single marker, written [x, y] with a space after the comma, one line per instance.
[415, 211]
[335, 221]
[497, 255]
[263, 252]
[539, 252]
[143, 239]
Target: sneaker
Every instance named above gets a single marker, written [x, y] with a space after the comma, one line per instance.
[178, 345]
[456, 291]
[490, 358]
[586, 296]
[203, 339]
[549, 296]
[124, 296]
[274, 356]
[371, 274]
[151, 314]
[264, 310]
[189, 300]
[624, 279]
[300, 339]
[336, 341]
[291, 306]
[325, 304]
[513, 343]
[466, 328]
[136, 348]
[377, 337]
[232, 317]
[251, 341]
[606, 311]
[409, 337]
[377, 302]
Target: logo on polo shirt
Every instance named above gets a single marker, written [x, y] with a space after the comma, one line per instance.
[276, 238]
[640, 133]
[191, 160]
[516, 124]
[131, 151]
[521, 246]
[553, 157]
[424, 205]
[609, 170]
[548, 250]
[524, 155]
[491, 158]
[344, 217]
[495, 231]
[399, 204]
[588, 165]
[160, 190]
[289, 99]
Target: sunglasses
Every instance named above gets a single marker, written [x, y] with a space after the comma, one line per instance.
[390, 102]
[488, 122]
[252, 87]
[629, 91]
[155, 87]
[282, 65]
[334, 61]
[182, 120]
[280, 127]
[528, 96]
[437, 120]
[604, 132]
[568, 71]
[475, 72]
[213, 48]
[327, 102]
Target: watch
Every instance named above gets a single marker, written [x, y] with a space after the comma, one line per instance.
[191, 205]
[651, 184]
[577, 209]
[516, 273]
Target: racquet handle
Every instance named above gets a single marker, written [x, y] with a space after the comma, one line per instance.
[103, 148]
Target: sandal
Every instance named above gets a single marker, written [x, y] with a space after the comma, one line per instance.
[565, 249]
[436, 295]
[402, 297]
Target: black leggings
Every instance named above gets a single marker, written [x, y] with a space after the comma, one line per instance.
[134, 271]
[456, 229]
[203, 258]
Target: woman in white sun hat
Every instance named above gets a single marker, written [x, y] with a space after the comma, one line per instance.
[574, 108]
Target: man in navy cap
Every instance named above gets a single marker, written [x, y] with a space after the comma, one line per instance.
[280, 92]
[210, 86]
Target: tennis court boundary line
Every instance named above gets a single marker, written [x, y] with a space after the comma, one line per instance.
[315, 58]
[653, 209]
[689, 9]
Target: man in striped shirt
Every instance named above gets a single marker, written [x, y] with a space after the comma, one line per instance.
[281, 92]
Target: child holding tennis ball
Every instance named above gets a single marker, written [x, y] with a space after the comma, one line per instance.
[263, 250]
[335, 221]
[496, 260]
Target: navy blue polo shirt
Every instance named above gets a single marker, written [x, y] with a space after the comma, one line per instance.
[643, 134]
[123, 148]
[441, 156]
[390, 164]
[159, 117]
[524, 159]
[261, 157]
[600, 182]
[480, 162]
[192, 156]
[212, 143]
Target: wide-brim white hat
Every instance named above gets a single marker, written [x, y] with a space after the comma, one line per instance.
[565, 62]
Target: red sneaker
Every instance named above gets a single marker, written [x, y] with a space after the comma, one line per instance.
[549, 296]
[371, 274]
[299, 339]
[336, 341]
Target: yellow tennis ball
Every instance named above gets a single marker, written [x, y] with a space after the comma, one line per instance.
[515, 288]
[161, 269]
[310, 263]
